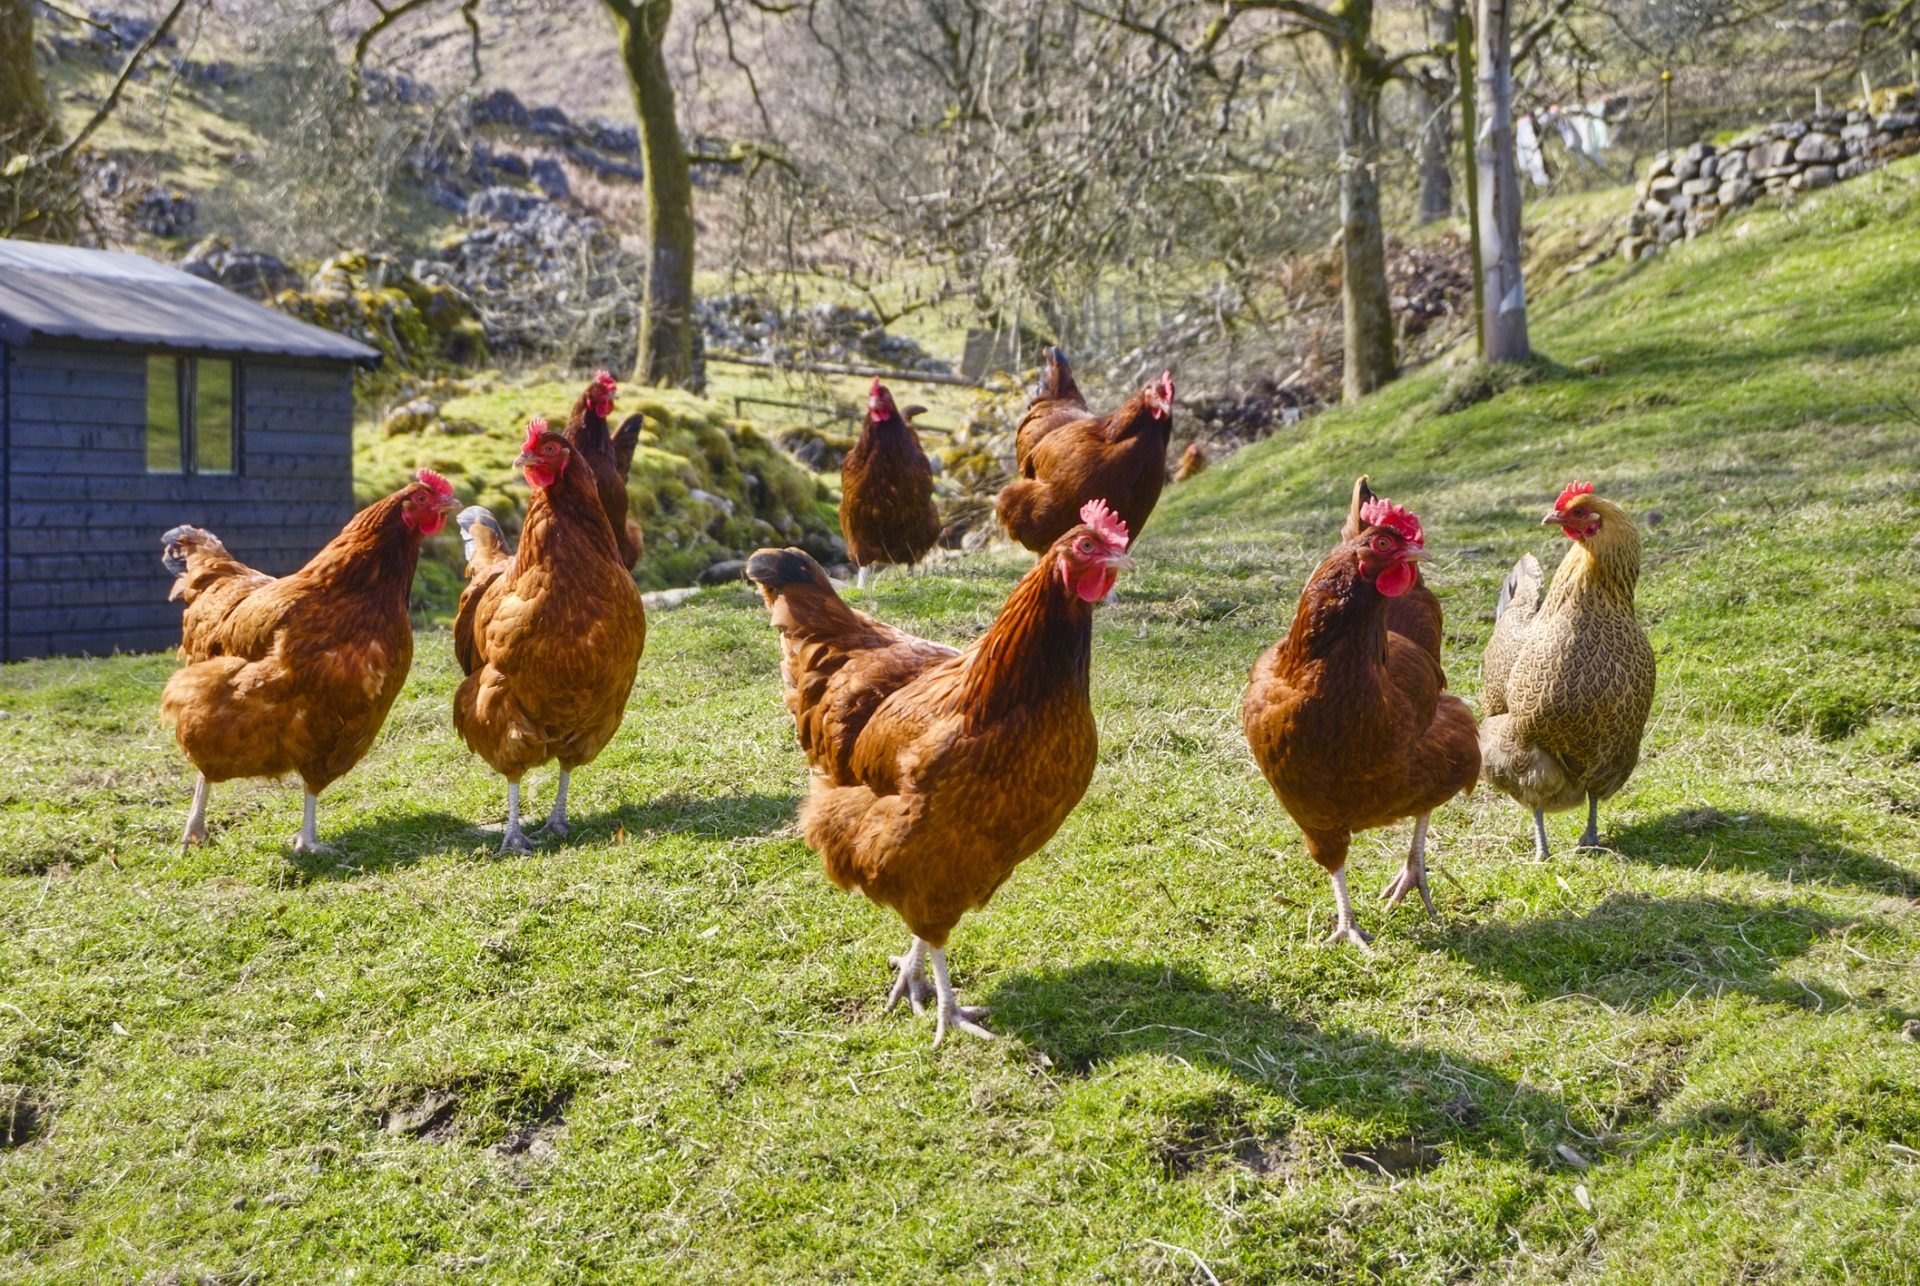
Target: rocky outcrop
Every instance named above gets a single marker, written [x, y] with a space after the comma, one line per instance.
[1688, 191]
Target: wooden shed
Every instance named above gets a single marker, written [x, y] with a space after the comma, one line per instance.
[134, 397]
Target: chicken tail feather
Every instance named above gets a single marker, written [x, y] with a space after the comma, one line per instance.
[481, 517]
[176, 544]
[1523, 585]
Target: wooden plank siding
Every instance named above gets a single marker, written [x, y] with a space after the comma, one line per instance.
[82, 517]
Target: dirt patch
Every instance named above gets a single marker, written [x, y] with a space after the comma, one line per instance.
[1394, 1158]
[469, 1110]
[23, 1117]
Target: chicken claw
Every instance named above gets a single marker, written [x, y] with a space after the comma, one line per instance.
[307, 842]
[1414, 874]
[196, 832]
[514, 840]
[1346, 929]
[910, 982]
[952, 1013]
[556, 823]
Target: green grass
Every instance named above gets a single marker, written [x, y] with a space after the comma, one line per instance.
[657, 1051]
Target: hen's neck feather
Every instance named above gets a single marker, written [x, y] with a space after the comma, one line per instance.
[1039, 647]
[571, 505]
[1340, 616]
[375, 553]
[1605, 568]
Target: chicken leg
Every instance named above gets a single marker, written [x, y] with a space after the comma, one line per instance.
[1590, 838]
[308, 840]
[556, 823]
[1541, 849]
[1414, 874]
[196, 815]
[1347, 929]
[952, 1013]
[910, 982]
[514, 840]
[860, 581]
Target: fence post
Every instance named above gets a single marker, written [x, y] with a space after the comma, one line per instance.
[1463, 45]
[1666, 108]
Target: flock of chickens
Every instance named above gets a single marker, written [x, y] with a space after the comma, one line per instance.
[912, 743]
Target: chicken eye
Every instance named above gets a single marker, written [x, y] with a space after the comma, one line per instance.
[1382, 545]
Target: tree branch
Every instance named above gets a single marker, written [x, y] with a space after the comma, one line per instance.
[112, 100]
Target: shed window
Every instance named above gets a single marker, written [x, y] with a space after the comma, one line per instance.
[192, 421]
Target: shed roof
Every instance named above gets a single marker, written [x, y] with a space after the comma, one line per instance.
[107, 296]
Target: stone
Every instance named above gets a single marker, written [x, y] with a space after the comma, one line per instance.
[501, 107]
[1856, 130]
[1631, 247]
[1792, 131]
[1817, 149]
[546, 172]
[1685, 168]
[1698, 187]
[1663, 187]
[1662, 164]
[724, 572]
[496, 205]
[1815, 177]
[1897, 122]
[1681, 203]
[416, 416]
[1852, 169]
[1699, 152]
[1736, 192]
[1772, 156]
[721, 503]
[1732, 166]
[1709, 167]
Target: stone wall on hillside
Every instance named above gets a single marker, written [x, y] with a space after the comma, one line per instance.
[1688, 191]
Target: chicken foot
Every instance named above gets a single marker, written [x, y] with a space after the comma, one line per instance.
[556, 823]
[1347, 929]
[953, 1014]
[196, 815]
[308, 840]
[514, 840]
[860, 581]
[910, 980]
[1414, 874]
[1541, 849]
[1590, 838]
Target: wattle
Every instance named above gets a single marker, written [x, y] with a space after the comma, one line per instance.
[1096, 584]
[1395, 580]
[433, 522]
[540, 476]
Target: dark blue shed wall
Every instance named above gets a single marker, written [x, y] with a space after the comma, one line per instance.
[83, 516]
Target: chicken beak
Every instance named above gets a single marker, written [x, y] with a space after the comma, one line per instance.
[1554, 519]
[1415, 554]
[449, 503]
[522, 460]
[1119, 562]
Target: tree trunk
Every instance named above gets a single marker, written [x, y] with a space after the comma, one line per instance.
[1505, 300]
[41, 201]
[1365, 312]
[666, 325]
[1436, 148]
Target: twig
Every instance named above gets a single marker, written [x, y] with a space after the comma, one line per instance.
[112, 100]
[1182, 1250]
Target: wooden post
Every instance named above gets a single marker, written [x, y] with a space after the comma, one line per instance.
[1866, 91]
[1463, 45]
[1666, 108]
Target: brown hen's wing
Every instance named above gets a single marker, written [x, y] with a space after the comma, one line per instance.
[212, 583]
[838, 664]
[488, 560]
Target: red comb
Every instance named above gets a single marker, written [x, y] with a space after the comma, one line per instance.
[535, 427]
[434, 480]
[606, 381]
[1105, 522]
[1378, 512]
[1574, 490]
[1166, 386]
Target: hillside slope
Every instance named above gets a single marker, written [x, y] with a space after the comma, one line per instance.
[658, 1051]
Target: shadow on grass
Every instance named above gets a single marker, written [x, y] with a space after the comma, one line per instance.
[1636, 952]
[1419, 1102]
[389, 843]
[707, 816]
[1759, 843]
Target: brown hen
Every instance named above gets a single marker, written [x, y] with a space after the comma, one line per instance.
[1347, 714]
[937, 771]
[887, 512]
[295, 673]
[1067, 456]
[550, 636]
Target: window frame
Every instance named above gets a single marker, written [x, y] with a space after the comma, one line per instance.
[186, 398]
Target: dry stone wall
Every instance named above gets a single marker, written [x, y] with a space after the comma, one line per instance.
[1688, 191]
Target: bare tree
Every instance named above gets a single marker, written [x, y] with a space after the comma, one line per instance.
[1505, 299]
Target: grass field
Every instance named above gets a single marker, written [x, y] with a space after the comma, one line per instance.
[658, 1050]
